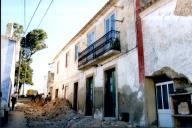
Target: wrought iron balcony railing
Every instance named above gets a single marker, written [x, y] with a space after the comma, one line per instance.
[110, 41]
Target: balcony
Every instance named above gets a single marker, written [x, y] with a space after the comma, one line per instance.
[108, 45]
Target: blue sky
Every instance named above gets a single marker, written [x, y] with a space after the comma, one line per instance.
[63, 20]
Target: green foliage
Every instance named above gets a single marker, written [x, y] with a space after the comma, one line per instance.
[24, 68]
[17, 30]
[35, 40]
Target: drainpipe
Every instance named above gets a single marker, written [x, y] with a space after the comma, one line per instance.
[139, 37]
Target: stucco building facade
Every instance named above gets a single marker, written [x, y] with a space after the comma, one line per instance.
[105, 72]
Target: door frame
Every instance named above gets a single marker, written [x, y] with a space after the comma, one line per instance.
[89, 76]
[116, 89]
[75, 84]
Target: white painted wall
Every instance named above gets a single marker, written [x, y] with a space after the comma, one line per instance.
[167, 39]
[8, 60]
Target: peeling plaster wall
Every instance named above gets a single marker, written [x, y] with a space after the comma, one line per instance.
[167, 42]
[167, 39]
[129, 92]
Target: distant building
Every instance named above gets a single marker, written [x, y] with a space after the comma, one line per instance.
[10, 48]
[126, 63]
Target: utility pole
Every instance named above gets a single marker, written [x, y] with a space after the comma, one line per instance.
[18, 76]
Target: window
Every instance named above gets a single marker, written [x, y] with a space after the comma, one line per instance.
[162, 94]
[110, 23]
[76, 51]
[57, 67]
[66, 59]
[56, 93]
[90, 38]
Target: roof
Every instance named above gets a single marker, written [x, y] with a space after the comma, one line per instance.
[89, 23]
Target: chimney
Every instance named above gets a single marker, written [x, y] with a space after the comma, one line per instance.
[9, 31]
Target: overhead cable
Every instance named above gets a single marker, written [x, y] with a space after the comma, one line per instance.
[32, 16]
[45, 14]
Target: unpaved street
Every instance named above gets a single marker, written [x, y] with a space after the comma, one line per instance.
[58, 114]
[16, 120]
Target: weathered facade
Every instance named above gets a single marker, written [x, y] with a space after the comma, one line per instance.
[10, 48]
[167, 52]
[106, 75]
[103, 70]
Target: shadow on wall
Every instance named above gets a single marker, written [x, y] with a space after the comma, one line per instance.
[131, 102]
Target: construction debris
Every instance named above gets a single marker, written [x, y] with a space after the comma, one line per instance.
[58, 114]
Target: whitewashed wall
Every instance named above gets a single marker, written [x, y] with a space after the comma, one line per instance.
[167, 39]
[8, 60]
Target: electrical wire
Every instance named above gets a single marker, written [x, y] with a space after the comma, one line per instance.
[25, 37]
[32, 16]
[45, 14]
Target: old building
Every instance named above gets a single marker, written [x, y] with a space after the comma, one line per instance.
[167, 41]
[115, 66]
[10, 48]
[102, 80]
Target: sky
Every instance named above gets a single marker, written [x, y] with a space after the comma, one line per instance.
[63, 20]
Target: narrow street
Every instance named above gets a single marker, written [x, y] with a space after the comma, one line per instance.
[55, 114]
[16, 120]
[96, 64]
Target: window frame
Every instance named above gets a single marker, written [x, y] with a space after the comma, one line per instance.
[58, 68]
[66, 59]
[108, 17]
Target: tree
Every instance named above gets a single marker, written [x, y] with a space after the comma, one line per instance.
[17, 30]
[26, 73]
[33, 42]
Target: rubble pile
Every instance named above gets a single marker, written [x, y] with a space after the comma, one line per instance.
[55, 108]
[58, 114]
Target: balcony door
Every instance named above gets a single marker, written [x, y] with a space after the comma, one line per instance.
[90, 38]
[109, 26]
[110, 23]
